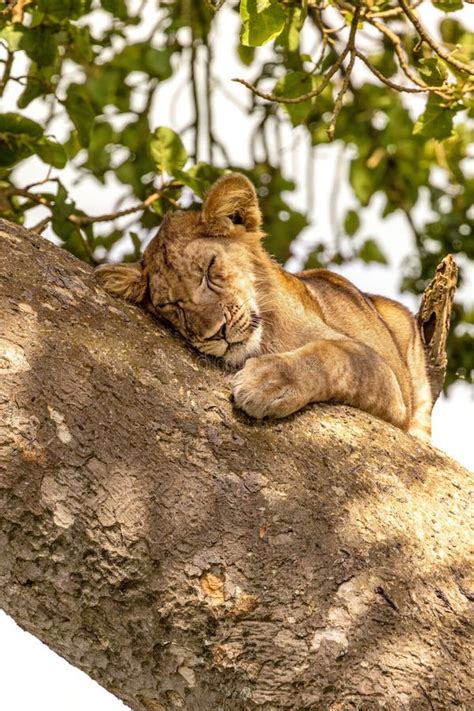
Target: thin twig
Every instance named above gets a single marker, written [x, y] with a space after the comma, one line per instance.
[207, 95]
[214, 6]
[21, 192]
[195, 95]
[311, 94]
[403, 60]
[345, 82]
[389, 82]
[416, 233]
[334, 198]
[392, 12]
[6, 72]
[42, 182]
[80, 220]
[90, 219]
[435, 46]
[213, 141]
[87, 247]
[41, 225]
[310, 191]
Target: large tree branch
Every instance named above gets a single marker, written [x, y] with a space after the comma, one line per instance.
[187, 557]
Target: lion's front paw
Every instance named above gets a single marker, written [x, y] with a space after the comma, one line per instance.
[267, 387]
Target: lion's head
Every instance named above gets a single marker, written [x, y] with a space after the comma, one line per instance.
[200, 272]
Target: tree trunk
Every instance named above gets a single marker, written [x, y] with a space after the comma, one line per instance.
[187, 557]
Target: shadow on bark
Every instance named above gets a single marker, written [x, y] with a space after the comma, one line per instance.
[186, 557]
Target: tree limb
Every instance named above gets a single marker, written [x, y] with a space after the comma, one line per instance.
[187, 557]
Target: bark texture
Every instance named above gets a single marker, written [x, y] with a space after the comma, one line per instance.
[434, 319]
[187, 557]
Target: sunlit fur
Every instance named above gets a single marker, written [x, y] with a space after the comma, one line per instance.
[298, 338]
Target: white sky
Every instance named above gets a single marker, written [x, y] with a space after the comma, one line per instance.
[52, 684]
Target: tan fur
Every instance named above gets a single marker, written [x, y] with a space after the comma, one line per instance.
[309, 337]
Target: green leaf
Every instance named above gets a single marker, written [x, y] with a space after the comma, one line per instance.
[64, 9]
[351, 222]
[448, 5]
[99, 155]
[281, 232]
[262, 21]
[80, 49]
[15, 123]
[12, 34]
[51, 152]
[167, 150]
[80, 112]
[116, 7]
[191, 182]
[33, 89]
[135, 255]
[371, 252]
[290, 37]
[156, 62]
[365, 181]
[451, 30]
[313, 260]
[246, 54]
[140, 57]
[199, 177]
[106, 87]
[433, 71]
[385, 62]
[61, 210]
[41, 45]
[109, 240]
[293, 85]
[18, 138]
[436, 121]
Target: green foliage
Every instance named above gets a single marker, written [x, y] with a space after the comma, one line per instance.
[18, 138]
[262, 21]
[80, 112]
[167, 151]
[351, 222]
[296, 84]
[104, 84]
[448, 5]
[371, 252]
[436, 121]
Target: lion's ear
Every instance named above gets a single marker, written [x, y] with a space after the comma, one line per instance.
[233, 196]
[128, 281]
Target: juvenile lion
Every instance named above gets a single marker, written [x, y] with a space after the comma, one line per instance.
[298, 338]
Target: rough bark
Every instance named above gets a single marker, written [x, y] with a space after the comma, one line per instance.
[186, 557]
[434, 319]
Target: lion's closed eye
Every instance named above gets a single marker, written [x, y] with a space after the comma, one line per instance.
[207, 276]
[211, 275]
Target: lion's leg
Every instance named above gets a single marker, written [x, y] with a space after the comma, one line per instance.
[341, 370]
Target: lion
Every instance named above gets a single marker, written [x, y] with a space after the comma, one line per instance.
[295, 339]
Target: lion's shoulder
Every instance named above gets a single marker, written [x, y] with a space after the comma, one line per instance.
[324, 284]
[368, 317]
